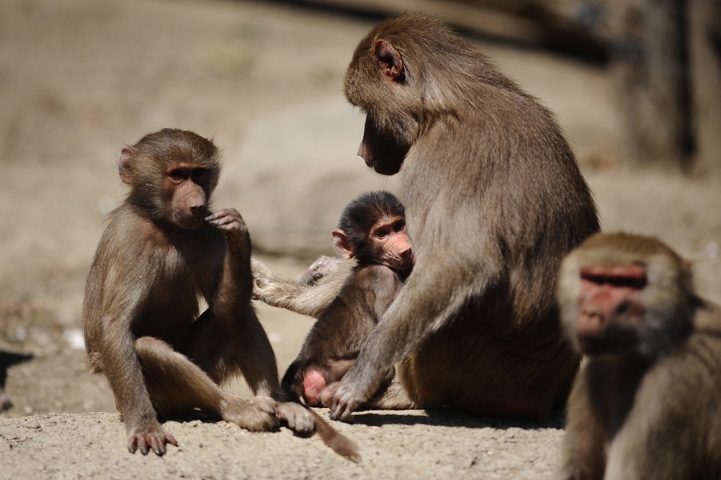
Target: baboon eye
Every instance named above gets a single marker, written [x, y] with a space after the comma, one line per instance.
[383, 232]
[200, 174]
[399, 226]
[177, 174]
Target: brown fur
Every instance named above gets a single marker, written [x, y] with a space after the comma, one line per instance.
[309, 296]
[321, 268]
[335, 340]
[161, 252]
[372, 230]
[494, 199]
[646, 402]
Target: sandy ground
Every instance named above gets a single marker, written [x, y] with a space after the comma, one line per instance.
[80, 78]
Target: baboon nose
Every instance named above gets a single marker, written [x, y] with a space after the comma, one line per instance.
[197, 210]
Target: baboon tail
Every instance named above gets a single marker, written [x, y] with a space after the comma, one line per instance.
[338, 442]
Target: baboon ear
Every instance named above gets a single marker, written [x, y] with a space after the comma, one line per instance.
[390, 61]
[125, 169]
[342, 245]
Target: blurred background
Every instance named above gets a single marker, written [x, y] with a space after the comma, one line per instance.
[636, 85]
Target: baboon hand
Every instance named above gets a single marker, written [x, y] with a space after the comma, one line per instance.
[232, 225]
[342, 399]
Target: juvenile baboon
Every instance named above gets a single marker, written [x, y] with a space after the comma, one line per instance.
[162, 251]
[372, 230]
